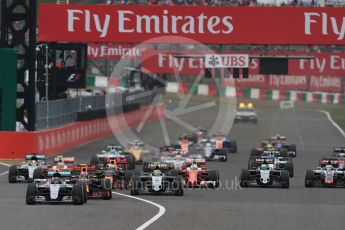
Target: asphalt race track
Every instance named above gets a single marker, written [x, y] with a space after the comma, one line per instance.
[224, 208]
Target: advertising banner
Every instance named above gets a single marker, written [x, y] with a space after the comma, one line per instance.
[207, 25]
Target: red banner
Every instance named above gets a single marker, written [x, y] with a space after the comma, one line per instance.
[212, 25]
[114, 51]
[254, 81]
[326, 84]
[166, 62]
[287, 82]
[325, 63]
[332, 84]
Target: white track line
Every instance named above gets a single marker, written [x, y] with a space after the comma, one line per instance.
[153, 219]
[4, 173]
[5, 164]
[329, 117]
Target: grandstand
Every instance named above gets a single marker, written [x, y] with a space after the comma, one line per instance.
[233, 2]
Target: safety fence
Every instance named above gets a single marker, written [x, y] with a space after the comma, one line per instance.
[57, 113]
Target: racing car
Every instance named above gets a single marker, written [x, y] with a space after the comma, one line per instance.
[61, 163]
[280, 143]
[222, 142]
[114, 149]
[269, 146]
[97, 182]
[274, 160]
[156, 183]
[169, 150]
[183, 143]
[55, 189]
[194, 176]
[106, 156]
[328, 176]
[164, 163]
[211, 153]
[61, 160]
[137, 149]
[264, 176]
[246, 113]
[25, 172]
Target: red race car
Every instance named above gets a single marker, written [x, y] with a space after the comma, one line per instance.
[194, 176]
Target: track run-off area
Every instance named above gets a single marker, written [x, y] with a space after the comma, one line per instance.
[228, 207]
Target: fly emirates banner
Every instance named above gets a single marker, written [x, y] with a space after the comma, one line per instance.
[208, 25]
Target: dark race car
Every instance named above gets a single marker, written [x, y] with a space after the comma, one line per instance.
[274, 160]
[264, 176]
[97, 182]
[156, 183]
[57, 188]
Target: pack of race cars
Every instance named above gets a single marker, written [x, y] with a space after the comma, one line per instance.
[176, 167]
[270, 164]
[179, 166]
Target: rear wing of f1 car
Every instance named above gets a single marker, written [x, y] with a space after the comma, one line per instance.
[64, 160]
[339, 150]
[333, 162]
[261, 160]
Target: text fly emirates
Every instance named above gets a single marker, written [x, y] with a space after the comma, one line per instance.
[130, 22]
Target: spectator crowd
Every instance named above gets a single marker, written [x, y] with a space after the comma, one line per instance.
[233, 2]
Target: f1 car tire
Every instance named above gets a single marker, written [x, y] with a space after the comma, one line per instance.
[85, 194]
[130, 161]
[224, 154]
[78, 195]
[107, 183]
[309, 178]
[289, 168]
[94, 160]
[293, 148]
[251, 163]
[37, 173]
[31, 194]
[254, 153]
[285, 179]
[244, 178]
[135, 184]
[12, 174]
[178, 186]
[213, 175]
[107, 195]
